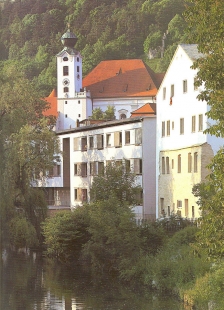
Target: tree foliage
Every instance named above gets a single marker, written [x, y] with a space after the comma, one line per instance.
[27, 145]
[208, 32]
[31, 31]
[98, 114]
[117, 181]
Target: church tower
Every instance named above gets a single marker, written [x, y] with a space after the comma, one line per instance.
[74, 102]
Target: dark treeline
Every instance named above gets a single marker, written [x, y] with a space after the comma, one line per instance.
[30, 32]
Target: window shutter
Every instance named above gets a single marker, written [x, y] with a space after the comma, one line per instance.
[117, 138]
[99, 141]
[138, 136]
[136, 165]
[79, 169]
[76, 144]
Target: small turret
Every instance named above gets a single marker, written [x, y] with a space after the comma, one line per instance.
[69, 39]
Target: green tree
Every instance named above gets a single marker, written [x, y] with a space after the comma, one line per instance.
[66, 233]
[114, 242]
[208, 34]
[116, 180]
[27, 145]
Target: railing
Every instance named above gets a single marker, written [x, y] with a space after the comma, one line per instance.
[58, 203]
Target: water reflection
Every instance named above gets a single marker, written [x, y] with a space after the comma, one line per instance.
[28, 282]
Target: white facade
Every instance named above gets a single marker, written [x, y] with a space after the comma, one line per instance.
[87, 149]
[123, 106]
[183, 149]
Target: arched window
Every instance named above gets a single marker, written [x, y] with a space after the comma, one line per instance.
[122, 116]
[65, 58]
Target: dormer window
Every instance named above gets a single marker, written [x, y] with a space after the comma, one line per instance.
[65, 58]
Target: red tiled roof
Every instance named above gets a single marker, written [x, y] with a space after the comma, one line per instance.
[147, 109]
[122, 78]
[52, 100]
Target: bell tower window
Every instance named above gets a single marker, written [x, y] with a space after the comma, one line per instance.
[77, 68]
[65, 70]
[65, 58]
[66, 89]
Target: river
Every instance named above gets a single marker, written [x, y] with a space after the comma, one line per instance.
[30, 282]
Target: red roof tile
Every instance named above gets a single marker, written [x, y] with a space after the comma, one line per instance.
[52, 100]
[122, 78]
[147, 109]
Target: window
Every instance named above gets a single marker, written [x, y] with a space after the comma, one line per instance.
[195, 162]
[168, 128]
[66, 102]
[83, 194]
[164, 93]
[163, 165]
[78, 101]
[184, 86]
[79, 115]
[193, 123]
[127, 137]
[181, 126]
[91, 144]
[167, 165]
[192, 211]
[172, 125]
[100, 167]
[75, 194]
[118, 139]
[76, 144]
[65, 58]
[66, 89]
[77, 68]
[189, 162]
[58, 168]
[172, 91]
[100, 141]
[127, 165]
[179, 204]
[65, 70]
[162, 205]
[138, 136]
[84, 144]
[66, 115]
[75, 169]
[118, 163]
[179, 163]
[84, 169]
[172, 163]
[92, 167]
[200, 122]
[163, 129]
[109, 139]
[77, 59]
[186, 207]
[137, 165]
[122, 116]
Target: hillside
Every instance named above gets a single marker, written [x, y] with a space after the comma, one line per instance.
[30, 33]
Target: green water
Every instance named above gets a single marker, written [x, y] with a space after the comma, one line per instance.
[30, 282]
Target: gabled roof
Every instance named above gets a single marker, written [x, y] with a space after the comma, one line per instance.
[52, 100]
[145, 110]
[122, 78]
[192, 51]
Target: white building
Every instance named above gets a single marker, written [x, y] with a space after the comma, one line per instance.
[86, 151]
[130, 87]
[183, 149]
